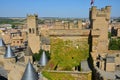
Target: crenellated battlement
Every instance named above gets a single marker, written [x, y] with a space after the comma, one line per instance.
[32, 16]
[103, 12]
[77, 24]
[106, 9]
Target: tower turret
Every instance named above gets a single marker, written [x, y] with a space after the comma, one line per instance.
[9, 53]
[2, 47]
[30, 73]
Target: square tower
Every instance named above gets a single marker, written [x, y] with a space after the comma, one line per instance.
[33, 33]
[99, 28]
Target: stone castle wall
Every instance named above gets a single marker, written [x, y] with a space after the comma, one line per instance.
[76, 75]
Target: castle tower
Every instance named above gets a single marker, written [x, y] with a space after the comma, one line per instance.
[2, 47]
[9, 53]
[33, 33]
[9, 59]
[2, 50]
[99, 24]
[30, 73]
[43, 59]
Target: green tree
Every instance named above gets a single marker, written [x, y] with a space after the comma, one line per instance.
[109, 35]
[114, 44]
[37, 56]
[13, 26]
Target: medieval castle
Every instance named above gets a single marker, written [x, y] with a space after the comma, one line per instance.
[105, 62]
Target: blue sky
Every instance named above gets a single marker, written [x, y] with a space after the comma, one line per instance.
[54, 8]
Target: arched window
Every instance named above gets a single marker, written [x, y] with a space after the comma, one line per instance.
[36, 29]
[30, 30]
[17, 41]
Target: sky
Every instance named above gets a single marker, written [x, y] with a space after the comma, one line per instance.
[54, 8]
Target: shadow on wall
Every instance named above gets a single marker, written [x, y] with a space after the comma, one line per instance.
[117, 77]
[3, 78]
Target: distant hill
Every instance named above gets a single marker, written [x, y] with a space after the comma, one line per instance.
[9, 20]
